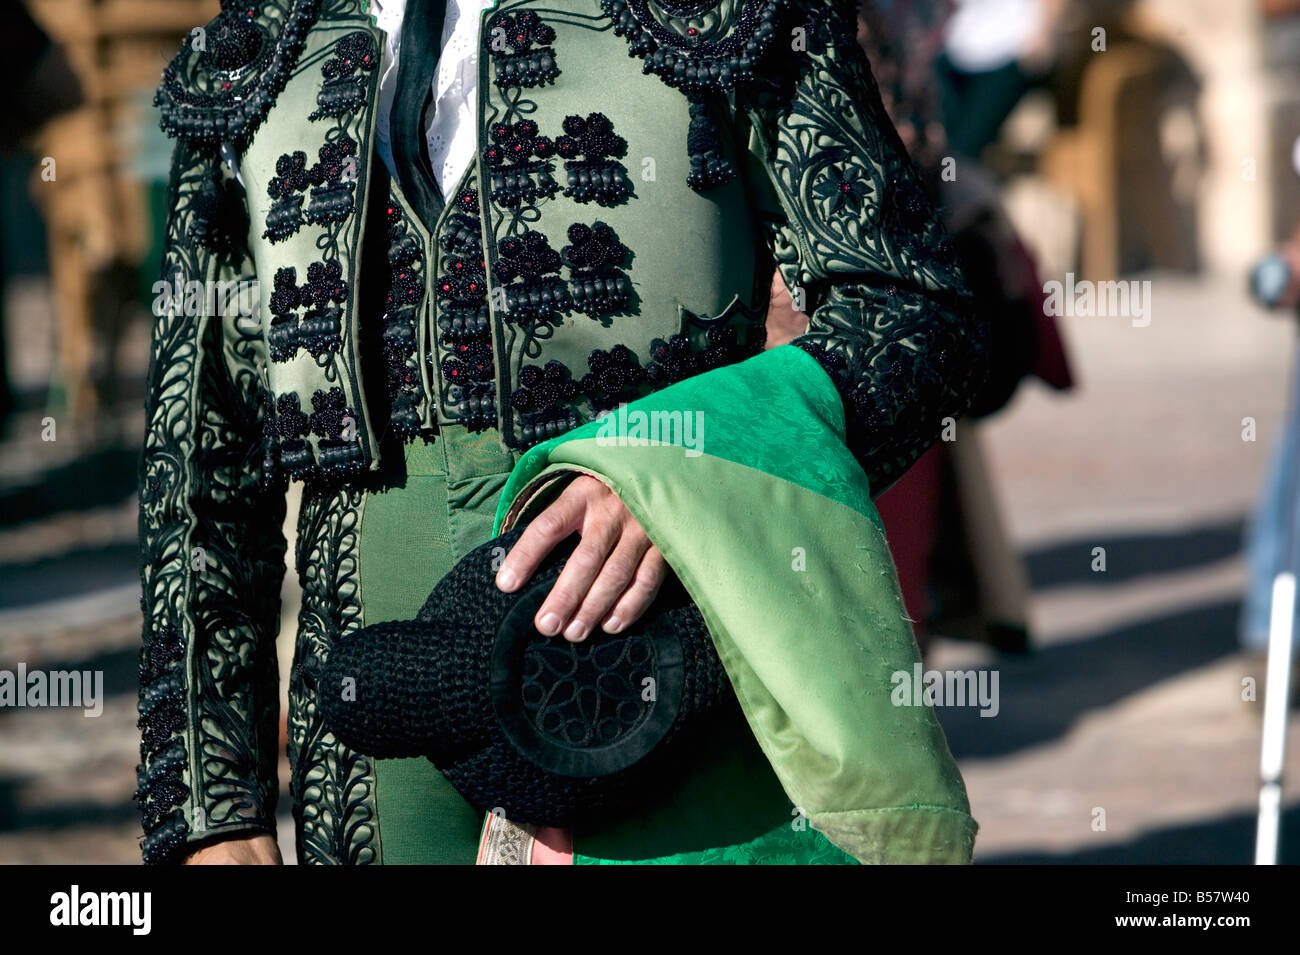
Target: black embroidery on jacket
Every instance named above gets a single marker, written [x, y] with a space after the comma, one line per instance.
[286, 190]
[344, 89]
[703, 49]
[161, 787]
[401, 319]
[222, 90]
[598, 176]
[520, 172]
[597, 283]
[319, 329]
[333, 180]
[527, 269]
[613, 377]
[674, 360]
[542, 401]
[464, 327]
[520, 47]
[333, 787]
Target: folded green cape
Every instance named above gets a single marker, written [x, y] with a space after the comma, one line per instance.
[742, 479]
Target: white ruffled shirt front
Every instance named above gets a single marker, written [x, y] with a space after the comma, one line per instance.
[450, 136]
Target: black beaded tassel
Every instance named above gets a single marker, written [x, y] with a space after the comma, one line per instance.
[709, 167]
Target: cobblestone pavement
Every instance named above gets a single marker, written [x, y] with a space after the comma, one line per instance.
[1131, 702]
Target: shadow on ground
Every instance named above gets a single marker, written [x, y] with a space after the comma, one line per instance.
[1132, 556]
[100, 478]
[1229, 840]
[1042, 695]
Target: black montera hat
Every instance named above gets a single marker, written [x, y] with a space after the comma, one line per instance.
[545, 730]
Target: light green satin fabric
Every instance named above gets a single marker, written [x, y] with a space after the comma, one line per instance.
[772, 531]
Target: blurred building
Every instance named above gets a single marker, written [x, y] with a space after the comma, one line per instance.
[1164, 142]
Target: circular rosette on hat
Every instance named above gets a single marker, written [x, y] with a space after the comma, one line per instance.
[547, 731]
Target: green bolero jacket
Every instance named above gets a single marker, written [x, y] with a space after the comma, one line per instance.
[643, 166]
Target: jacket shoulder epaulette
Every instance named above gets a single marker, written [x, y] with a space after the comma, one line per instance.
[697, 47]
[705, 48]
[225, 78]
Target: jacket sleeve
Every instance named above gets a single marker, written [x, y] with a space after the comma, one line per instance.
[855, 236]
[212, 550]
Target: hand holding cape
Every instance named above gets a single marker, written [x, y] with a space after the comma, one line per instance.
[741, 477]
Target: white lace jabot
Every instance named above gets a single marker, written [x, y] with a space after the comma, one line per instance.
[450, 135]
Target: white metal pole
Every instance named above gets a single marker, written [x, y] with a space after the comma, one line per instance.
[1281, 627]
[1281, 638]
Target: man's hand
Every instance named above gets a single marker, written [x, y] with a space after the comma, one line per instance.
[259, 849]
[612, 576]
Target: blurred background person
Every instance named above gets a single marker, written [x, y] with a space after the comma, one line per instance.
[950, 73]
[44, 86]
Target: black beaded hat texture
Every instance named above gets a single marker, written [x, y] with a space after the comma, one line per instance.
[545, 731]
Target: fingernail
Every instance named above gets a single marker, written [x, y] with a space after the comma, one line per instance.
[550, 625]
[613, 625]
[577, 630]
[506, 579]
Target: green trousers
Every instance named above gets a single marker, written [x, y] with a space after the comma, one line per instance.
[727, 808]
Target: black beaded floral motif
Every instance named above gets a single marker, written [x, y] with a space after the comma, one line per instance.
[336, 427]
[597, 283]
[845, 188]
[702, 49]
[290, 420]
[613, 377]
[319, 329]
[519, 171]
[520, 46]
[333, 180]
[161, 787]
[526, 269]
[543, 402]
[344, 89]
[222, 89]
[598, 176]
[464, 327]
[401, 313]
[285, 299]
[323, 293]
[546, 401]
[286, 190]
[289, 427]
[674, 360]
